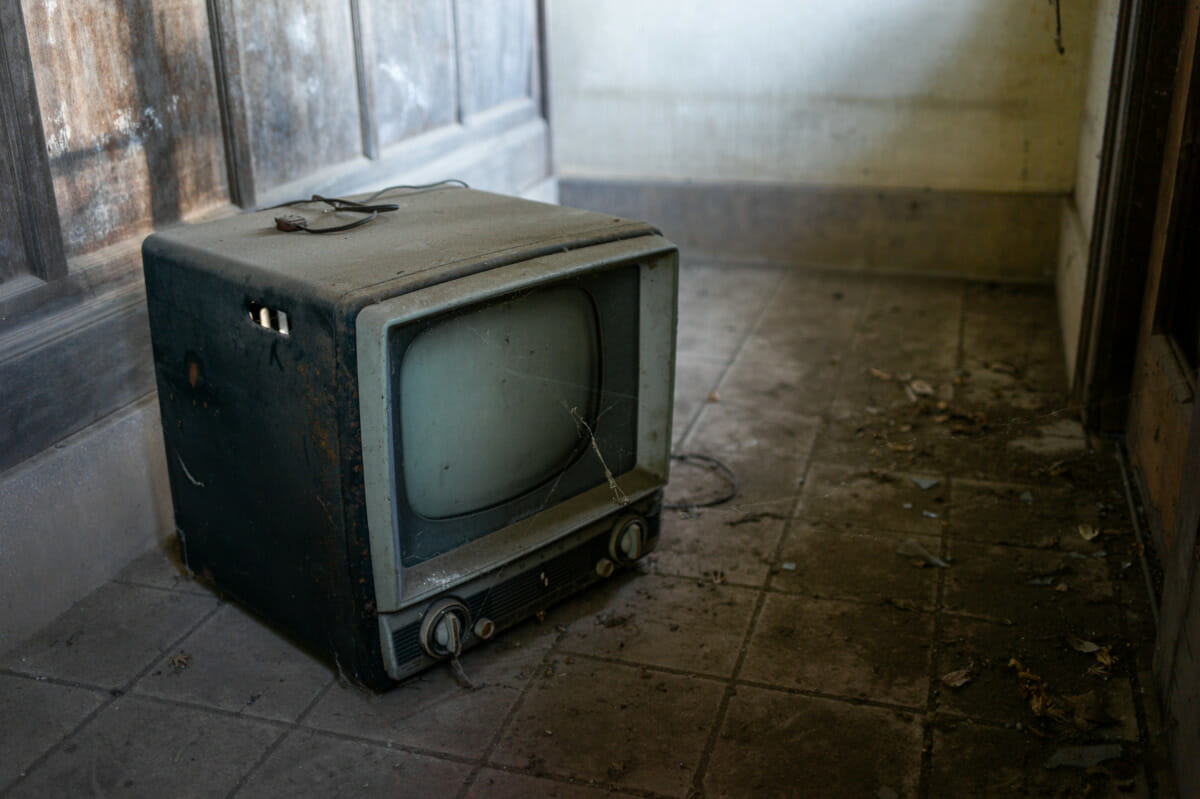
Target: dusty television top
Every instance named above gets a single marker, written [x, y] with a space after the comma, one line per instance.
[434, 236]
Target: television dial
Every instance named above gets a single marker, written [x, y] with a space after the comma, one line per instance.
[628, 539]
[444, 627]
[484, 628]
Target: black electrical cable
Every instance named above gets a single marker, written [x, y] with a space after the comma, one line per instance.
[293, 222]
[420, 187]
[713, 465]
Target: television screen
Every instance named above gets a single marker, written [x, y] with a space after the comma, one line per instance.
[465, 450]
[398, 439]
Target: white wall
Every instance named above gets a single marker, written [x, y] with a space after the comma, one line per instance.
[1079, 213]
[945, 94]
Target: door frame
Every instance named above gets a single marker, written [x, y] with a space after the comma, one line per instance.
[1145, 59]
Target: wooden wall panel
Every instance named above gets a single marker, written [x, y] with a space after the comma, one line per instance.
[298, 87]
[99, 363]
[13, 261]
[157, 110]
[132, 124]
[409, 66]
[496, 47]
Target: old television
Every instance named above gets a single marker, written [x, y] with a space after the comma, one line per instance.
[395, 441]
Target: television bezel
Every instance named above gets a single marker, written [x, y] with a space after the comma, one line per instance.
[397, 586]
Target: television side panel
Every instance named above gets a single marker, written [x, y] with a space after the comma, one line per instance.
[251, 428]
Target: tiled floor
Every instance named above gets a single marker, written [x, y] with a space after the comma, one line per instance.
[777, 645]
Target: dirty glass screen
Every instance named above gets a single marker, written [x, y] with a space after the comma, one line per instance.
[496, 401]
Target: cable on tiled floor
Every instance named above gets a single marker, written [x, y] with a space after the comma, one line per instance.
[713, 465]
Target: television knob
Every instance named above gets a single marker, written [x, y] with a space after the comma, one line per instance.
[605, 567]
[484, 628]
[444, 627]
[628, 539]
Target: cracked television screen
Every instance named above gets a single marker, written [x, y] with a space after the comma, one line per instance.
[397, 440]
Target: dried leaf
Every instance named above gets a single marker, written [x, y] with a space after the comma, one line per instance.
[921, 388]
[1088, 710]
[880, 374]
[714, 396]
[900, 447]
[956, 679]
[1080, 645]
[1087, 532]
[1033, 691]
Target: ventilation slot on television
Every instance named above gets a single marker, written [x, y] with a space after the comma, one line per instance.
[271, 318]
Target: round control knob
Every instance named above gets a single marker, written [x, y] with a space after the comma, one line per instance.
[605, 567]
[628, 539]
[444, 627]
[484, 628]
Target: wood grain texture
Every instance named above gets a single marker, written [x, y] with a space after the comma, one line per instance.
[496, 50]
[13, 261]
[99, 362]
[27, 170]
[128, 101]
[298, 87]
[409, 65]
[1139, 104]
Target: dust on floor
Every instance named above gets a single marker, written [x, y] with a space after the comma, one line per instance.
[926, 586]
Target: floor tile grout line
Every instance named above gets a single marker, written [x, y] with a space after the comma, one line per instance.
[960, 349]
[852, 347]
[710, 742]
[502, 730]
[768, 587]
[925, 773]
[685, 440]
[568, 779]
[211, 709]
[650, 667]
[723, 708]
[389, 746]
[289, 729]
[114, 695]
[62, 683]
[172, 590]
[262, 758]
[856, 701]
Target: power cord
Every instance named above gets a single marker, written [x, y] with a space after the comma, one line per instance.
[289, 223]
[713, 465]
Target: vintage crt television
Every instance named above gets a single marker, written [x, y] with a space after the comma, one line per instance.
[394, 441]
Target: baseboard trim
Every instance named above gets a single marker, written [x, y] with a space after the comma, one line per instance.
[77, 513]
[981, 235]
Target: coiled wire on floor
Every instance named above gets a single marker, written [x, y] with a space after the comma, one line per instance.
[713, 465]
